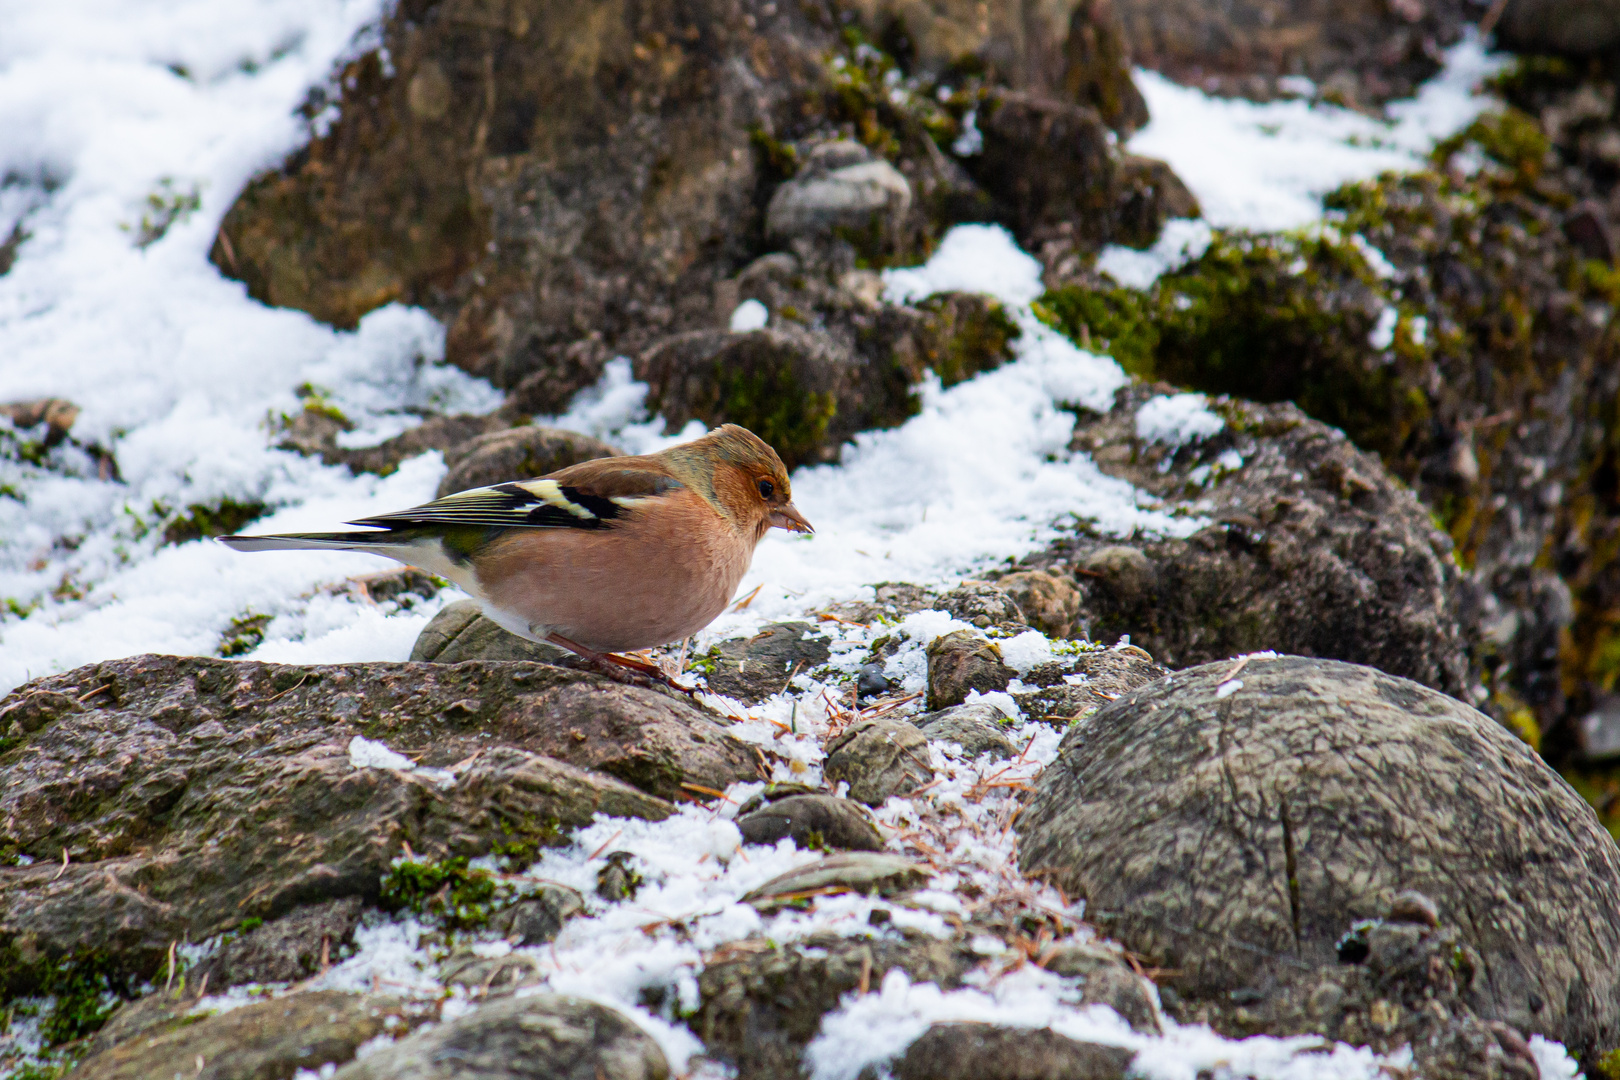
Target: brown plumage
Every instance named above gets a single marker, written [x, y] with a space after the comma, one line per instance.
[612, 554]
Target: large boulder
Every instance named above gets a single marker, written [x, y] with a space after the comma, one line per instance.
[559, 186]
[1227, 816]
[1308, 545]
[162, 798]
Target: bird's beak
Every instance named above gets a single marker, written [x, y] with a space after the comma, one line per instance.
[789, 518]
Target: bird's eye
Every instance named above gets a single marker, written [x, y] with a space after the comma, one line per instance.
[766, 489]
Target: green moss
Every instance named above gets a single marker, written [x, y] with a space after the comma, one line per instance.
[1118, 321]
[216, 519]
[83, 989]
[460, 896]
[245, 634]
[768, 399]
[1607, 1065]
[1512, 138]
[780, 159]
[977, 337]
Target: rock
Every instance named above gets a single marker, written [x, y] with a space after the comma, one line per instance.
[1371, 51]
[619, 879]
[871, 681]
[285, 950]
[975, 728]
[542, 1035]
[265, 1039]
[1128, 575]
[983, 604]
[868, 872]
[1312, 547]
[1412, 906]
[315, 431]
[878, 757]
[57, 414]
[772, 792]
[191, 793]
[1048, 602]
[537, 919]
[490, 975]
[968, 1050]
[755, 668]
[461, 631]
[864, 198]
[761, 1003]
[619, 189]
[1105, 979]
[1104, 675]
[812, 821]
[519, 453]
[1271, 816]
[891, 600]
[1572, 27]
[961, 661]
[38, 426]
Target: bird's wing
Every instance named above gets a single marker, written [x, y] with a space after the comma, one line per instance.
[579, 497]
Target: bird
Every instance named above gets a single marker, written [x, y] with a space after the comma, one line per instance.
[603, 557]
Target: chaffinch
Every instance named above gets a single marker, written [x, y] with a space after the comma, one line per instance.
[612, 554]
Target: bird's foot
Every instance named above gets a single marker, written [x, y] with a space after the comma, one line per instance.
[619, 667]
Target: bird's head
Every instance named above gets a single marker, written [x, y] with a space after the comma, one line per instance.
[748, 480]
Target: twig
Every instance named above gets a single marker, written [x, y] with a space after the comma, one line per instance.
[1241, 664]
[1486, 25]
[86, 697]
[749, 599]
[169, 981]
[62, 871]
[605, 844]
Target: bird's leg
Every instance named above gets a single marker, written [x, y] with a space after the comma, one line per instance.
[611, 660]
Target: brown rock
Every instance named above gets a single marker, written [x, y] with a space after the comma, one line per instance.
[519, 453]
[1048, 602]
[1106, 674]
[461, 631]
[754, 668]
[976, 1051]
[538, 918]
[515, 1038]
[191, 793]
[878, 757]
[961, 661]
[868, 872]
[266, 1039]
[1105, 979]
[285, 950]
[812, 820]
[982, 603]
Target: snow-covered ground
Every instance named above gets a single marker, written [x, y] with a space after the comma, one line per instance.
[105, 105]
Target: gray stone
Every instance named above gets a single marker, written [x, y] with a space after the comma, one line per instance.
[263, 1040]
[961, 661]
[982, 604]
[975, 728]
[538, 918]
[1211, 830]
[878, 758]
[812, 821]
[853, 871]
[520, 453]
[754, 668]
[461, 631]
[977, 1051]
[543, 1037]
[290, 948]
[490, 975]
[1106, 674]
[858, 197]
[1105, 979]
[763, 1002]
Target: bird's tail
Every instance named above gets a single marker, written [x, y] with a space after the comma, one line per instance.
[369, 540]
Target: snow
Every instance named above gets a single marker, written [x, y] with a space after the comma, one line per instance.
[1177, 419]
[185, 379]
[1267, 166]
[749, 315]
